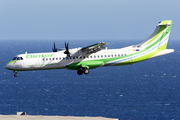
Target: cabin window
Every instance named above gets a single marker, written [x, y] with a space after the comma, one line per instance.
[115, 55]
[124, 54]
[118, 54]
[102, 56]
[94, 56]
[56, 58]
[43, 59]
[76, 57]
[108, 55]
[87, 56]
[53, 59]
[80, 57]
[84, 57]
[73, 57]
[121, 54]
[63, 58]
[59, 58]
[49, 58]
[90, 56]
[111, 55]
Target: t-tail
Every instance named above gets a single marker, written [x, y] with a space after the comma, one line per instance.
[155, 45]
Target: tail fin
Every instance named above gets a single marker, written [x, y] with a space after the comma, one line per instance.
[160, 36]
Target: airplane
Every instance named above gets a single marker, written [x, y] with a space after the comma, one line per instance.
[95, 56]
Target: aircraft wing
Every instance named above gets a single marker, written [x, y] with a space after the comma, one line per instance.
[94, 48]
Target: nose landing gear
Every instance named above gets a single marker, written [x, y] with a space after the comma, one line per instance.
[15, 75]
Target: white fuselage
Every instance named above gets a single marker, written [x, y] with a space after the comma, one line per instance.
[58, 60]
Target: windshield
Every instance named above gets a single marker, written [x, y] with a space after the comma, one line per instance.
[17, 58]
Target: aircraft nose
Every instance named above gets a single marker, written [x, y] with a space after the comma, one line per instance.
[8, 65]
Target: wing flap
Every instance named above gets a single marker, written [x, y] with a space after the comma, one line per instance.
[94, 48]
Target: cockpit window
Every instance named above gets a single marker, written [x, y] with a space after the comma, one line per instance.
[17, 58]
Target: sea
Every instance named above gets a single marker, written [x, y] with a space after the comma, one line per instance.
[148, 90]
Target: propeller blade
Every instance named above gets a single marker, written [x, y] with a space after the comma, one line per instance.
[54, 49]
[67, 49]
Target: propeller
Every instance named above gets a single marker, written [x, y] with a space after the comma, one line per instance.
[67, 49]
[54, 49]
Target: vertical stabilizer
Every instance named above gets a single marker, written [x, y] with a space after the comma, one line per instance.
[160, 36]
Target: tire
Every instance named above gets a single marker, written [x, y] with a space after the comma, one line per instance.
[15, 75]
[86, 71]
[79, 72]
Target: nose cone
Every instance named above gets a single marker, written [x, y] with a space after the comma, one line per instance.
[6, 66]
[9, 65]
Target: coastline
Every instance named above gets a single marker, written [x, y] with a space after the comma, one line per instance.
[40, 117]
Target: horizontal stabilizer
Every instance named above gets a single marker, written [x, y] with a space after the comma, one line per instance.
[164, 52]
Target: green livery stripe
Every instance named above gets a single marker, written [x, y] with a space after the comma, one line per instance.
[100, 62]
[155, 43]
[162, 26]
[89, 64]
[32, 69]
[141, 58]
[92, 63]
[153, 46]
[165, 22]
[12, 61]
[157, 34]
[147, 56]
[163, 36]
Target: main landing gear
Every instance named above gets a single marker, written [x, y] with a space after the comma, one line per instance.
[83, 70]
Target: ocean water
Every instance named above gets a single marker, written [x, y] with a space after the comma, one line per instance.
[149, 90]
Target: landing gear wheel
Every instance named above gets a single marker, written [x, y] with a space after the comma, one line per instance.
[79, 72]
[15, 75]
[86, 71]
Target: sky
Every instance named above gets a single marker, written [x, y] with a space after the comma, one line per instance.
[85, 19]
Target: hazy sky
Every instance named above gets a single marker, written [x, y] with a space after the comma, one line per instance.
[85, 19]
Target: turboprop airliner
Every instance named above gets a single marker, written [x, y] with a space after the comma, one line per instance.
[95, 56]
